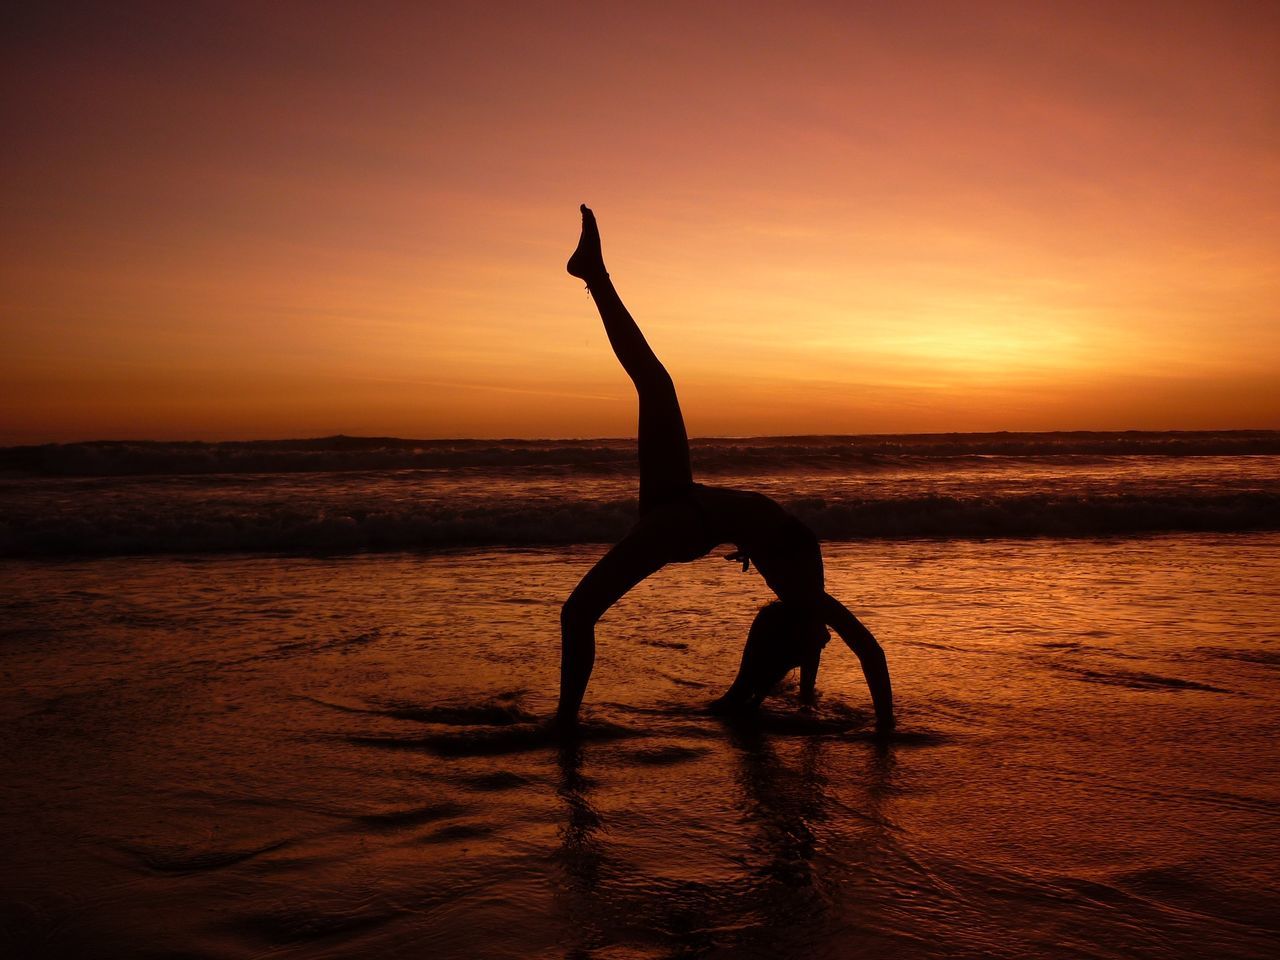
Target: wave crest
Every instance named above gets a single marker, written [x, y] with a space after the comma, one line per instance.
[276, 528]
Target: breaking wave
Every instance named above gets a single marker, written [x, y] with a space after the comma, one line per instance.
[356, 494]
[214, 527]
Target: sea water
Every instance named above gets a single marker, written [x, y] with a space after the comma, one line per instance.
[222, 742]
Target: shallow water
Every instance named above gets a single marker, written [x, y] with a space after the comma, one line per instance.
[297, 757]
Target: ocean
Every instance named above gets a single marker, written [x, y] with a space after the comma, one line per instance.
[347, 494]
[286, 699]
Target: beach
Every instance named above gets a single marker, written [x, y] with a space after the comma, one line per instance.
[229, 754]
[325, 394]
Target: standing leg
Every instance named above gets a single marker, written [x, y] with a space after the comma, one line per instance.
[663, 443]
[642, 552]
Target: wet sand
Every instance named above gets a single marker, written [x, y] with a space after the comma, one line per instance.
[225, 757]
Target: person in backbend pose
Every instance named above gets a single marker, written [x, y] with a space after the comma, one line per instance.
[681, 520]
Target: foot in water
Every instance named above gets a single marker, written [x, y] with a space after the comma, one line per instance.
[587, 263]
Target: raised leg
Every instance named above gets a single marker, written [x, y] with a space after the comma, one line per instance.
[663, 442]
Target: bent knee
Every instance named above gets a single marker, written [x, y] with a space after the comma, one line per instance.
[576, 614]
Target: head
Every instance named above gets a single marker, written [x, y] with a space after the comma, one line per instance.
[778, 622]
[782, 638]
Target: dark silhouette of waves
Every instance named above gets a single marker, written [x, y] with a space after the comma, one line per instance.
[172, 527]
[603, 457]
[356, 494]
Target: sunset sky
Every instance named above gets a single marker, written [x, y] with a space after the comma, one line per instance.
[266, 220]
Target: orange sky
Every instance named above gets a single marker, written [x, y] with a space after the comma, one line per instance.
[274, 220]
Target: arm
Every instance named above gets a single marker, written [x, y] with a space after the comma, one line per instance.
[809, 676]
[874, 666]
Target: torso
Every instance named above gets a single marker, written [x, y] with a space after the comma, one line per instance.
[783, 549]
[741, 517]
[694, 521]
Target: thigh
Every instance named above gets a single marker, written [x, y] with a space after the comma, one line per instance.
[665, 470]
[652, 543]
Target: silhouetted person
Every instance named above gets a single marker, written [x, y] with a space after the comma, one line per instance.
[681, 521]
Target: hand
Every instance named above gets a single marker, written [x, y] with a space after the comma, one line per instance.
[740, 555]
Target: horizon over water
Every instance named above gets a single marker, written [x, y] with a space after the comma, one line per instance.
[287, 697]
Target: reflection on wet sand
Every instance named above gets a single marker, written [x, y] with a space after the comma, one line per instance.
[778, 900]
[1072, 776]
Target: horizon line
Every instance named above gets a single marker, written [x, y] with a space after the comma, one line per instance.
[614, 439]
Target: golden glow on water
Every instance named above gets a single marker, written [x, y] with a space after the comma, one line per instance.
[301, 754]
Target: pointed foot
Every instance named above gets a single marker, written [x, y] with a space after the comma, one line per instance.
[587, 262]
